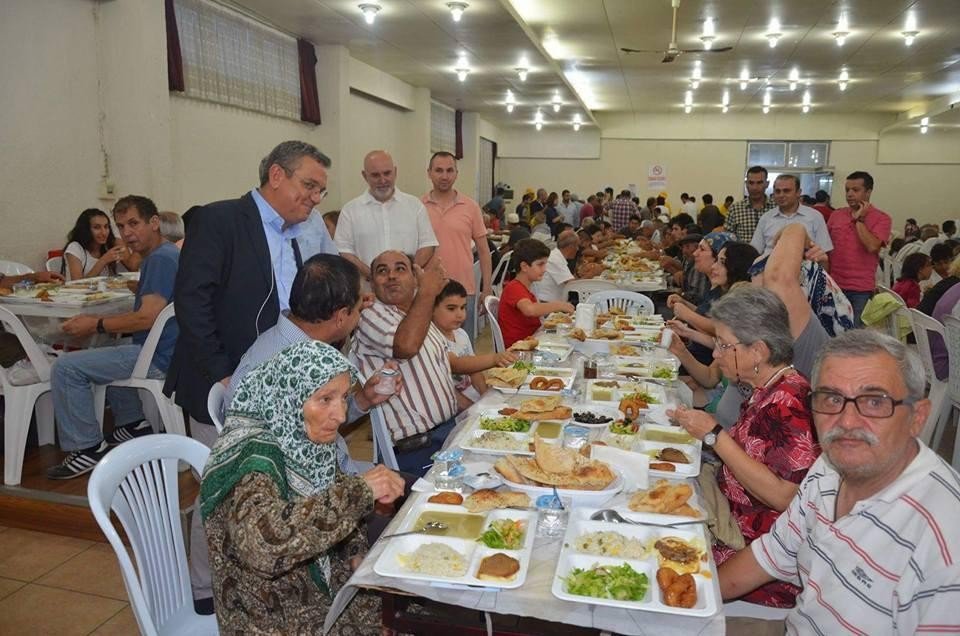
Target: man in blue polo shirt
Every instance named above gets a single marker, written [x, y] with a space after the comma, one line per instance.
[73, 375]
[786, 194]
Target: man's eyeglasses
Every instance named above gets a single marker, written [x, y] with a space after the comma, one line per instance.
[311, 186]
[868, 405]
[722, 347]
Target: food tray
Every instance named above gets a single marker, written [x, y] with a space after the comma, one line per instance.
[645, 367]
[620, 388]
[708, 591]
[596, 409]
[567, 375]
[577, 497]
[683, 470]
[524, 439]
[58, 299]
[652, 517]
[560, 349]
[473, 551]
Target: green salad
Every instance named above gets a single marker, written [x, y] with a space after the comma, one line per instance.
[507, 424]
[664, 373]
[503, 534]
[643, 396]
[520, 365]
[623, 427]
[617, 582]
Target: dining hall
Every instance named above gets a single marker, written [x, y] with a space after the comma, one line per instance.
[512, 317]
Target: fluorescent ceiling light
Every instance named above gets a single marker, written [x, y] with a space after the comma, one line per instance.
[457, 9]
[910, 31]
[744, 79]
[370, 11]
[794, 78]
[462, 69]
[709, 35]
[773, 32]
[843, 79]
[843, 30]
[557, 102]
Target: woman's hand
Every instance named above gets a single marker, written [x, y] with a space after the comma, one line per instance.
[680, 310]
[697, 423]
[386, 485]
[367, 397]
[506, 358]
[674, 299]
[113, 255]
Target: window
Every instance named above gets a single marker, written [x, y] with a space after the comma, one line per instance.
[230, 59]
[443, 128]
[808, 160]
[768, 155]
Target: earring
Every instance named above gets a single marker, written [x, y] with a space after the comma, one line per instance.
[756, 369]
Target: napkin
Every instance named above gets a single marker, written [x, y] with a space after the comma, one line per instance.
[633, 466]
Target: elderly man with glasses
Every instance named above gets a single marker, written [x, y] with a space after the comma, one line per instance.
[872, 534]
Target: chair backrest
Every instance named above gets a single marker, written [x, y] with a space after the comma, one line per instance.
[138, 481]
[626, 301]
[586, 287]
[496, 280]
[12, 324]
[492, 305]
[215, 404]
[54, 264]
[922, 323]
[382, 443]
[951, 328]
[142, 367]
[12, 268]
[896, 317]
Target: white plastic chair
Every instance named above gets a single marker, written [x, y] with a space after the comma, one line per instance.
[896, 318]
[20, 401]
[627, 301]
[586, 287]
[752, 610]
[12, 268]
[951, 328]
[215, 404]
[499, 272]
[54, 264]
[477, 284]
[492, 305]
[939, 407]
[170, 414]
[138, 482]
[382, 442]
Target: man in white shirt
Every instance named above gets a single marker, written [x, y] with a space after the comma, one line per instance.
[550, 287]
[786, 193]
[871, 534]
[383, 218]
[688, 205]
[569, 209]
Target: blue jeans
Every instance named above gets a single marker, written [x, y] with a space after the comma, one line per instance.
[414, 461]
[859, 300]
[72, 378]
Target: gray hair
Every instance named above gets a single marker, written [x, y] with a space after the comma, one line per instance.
[860, 343]
[171, 226]
[287, 155]
[755, 314]
[567, 238]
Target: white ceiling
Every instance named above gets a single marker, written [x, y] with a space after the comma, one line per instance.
[574, 44]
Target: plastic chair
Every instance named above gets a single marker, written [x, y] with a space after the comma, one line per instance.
[20, 401]
[752, 610]
[951, 327]
[499, 272]
[54, 264]
[626, 301]
[138, 482]
[586, 287]
[477, 284]
[382, 442]
[12, 268]
[215, 404]
[896, 319]
[492, 305]
[922, 324]
[170, 414]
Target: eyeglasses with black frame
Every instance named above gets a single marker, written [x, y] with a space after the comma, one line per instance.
[722, 347]
[874, 405]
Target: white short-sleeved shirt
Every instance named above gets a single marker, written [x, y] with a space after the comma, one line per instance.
[772, 221]
[890, 566]
[367, 228]
[87, 260]
[550, 287]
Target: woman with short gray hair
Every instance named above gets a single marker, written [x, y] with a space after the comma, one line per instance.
[767, 452]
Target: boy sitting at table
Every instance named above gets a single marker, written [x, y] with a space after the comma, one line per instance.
[520, 312]
[449, 313]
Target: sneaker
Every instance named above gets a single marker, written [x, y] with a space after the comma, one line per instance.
[78, 463]
[128, 432]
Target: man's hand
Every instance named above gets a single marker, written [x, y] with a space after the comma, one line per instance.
[81, 325]
[506, 358]
[483, 297]
[226, 381]
[862, 208]
[367, 397]
[432, 278]
[386, 485]
[815, 253]
[673, 299]
[46, 277]
[366, 300]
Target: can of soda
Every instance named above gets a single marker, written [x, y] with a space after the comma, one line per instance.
[666, 337]
[387, 384]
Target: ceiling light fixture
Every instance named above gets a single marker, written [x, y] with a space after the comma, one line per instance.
[806, 101]
[709, 35]
[511, 102]
[843, 30]
[843, 79]
[462, 69]
[794, 78]
[767, 100]
[924, 124]
[744, 79]
[773, 32]
[688, 102]
[725, 102]
[370, 11]
[697, 75]
[577, 122]
[557, 102]
[457, 9]
[910, 31]
[522, 72]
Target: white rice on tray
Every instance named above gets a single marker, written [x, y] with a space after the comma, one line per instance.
[610, 544]
[436, 559]
[499, 440]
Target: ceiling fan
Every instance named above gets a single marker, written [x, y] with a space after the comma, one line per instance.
[672, 51]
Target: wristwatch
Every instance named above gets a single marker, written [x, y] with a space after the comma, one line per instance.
[711, 438]
[100, 327]
[859, 219]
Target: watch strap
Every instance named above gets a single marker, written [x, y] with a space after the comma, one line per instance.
[100, 327]
[715, 432]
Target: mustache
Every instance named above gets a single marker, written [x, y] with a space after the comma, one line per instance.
[855, 434]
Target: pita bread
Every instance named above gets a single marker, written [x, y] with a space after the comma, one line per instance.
[544, 408]
[486, 500]
[506, 377]
[588, 475]
[553, 458]
[527, 344]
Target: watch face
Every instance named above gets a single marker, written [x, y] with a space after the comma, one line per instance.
[710, 439]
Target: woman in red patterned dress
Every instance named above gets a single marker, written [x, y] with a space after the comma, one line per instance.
[767, 452]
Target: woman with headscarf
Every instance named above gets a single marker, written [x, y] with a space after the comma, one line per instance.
[281, 519]
[767, 452]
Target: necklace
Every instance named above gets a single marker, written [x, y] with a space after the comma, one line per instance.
[776, 374]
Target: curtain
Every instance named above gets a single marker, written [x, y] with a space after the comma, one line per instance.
[309, 100]
[458, 124]
[174, 61]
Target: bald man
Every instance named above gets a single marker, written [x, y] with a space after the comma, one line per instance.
[383, 218]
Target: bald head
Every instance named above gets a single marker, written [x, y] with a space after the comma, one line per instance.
[380, 173]
[393, 280]
[568, 243]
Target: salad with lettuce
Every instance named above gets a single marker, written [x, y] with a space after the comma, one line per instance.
[616, 582]
[503, 534]
[506, 424]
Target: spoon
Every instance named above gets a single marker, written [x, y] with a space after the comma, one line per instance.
[612, 516]
[428, 527]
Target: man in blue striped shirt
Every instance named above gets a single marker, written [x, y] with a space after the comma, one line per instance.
[872, 534]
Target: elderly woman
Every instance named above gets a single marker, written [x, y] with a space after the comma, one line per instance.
[281, 519]
[768, 450]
